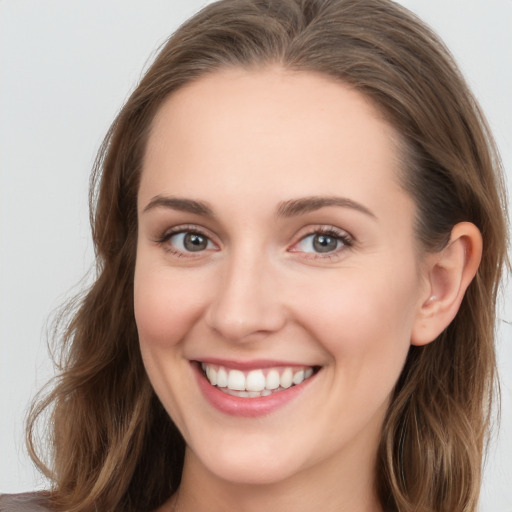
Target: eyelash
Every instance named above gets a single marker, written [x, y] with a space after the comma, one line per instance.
[343, 237]
[184, 229]
[339, 235]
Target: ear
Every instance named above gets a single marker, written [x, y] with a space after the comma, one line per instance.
[448, 273]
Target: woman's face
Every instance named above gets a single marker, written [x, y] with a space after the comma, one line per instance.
[276, 254]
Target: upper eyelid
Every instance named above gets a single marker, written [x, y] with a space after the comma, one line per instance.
[186, 228]
[324, 229]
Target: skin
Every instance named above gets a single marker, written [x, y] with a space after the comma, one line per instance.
[244, 143]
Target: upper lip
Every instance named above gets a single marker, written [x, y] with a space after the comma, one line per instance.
[253, 364]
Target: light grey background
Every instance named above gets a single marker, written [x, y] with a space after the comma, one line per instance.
[65, 70]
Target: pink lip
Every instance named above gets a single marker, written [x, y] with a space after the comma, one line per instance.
[246, 407]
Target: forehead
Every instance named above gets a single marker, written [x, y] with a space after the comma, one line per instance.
[261, 132]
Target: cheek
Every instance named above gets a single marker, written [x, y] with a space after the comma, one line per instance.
[364, 318]
[166, 309]
[166, 305]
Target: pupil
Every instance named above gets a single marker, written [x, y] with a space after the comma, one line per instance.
[324, 243]
[194, 242]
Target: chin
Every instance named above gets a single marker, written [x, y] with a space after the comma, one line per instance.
[243, 473]
[258, 466]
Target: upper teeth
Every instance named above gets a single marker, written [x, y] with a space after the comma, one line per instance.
[256, 380]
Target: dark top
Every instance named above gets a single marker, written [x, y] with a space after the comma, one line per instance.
[25, 502]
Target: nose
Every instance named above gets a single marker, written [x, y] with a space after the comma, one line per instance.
[247, 305]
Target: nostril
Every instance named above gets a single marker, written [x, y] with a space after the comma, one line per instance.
[245, 323]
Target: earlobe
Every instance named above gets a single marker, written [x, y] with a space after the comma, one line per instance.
[448, 274]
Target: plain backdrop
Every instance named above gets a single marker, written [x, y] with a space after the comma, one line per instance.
[65, 70]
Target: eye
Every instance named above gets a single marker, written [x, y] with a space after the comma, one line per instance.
[184, 241]
[190, 242]
[322, 242]
[319, 242]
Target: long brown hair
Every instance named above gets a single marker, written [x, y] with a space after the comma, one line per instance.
[113, 447]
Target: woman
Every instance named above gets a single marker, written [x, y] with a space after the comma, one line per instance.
[305, 204]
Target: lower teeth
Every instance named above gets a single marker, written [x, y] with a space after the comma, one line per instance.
[249, 394]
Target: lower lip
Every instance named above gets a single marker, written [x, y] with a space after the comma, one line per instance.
[247, 407]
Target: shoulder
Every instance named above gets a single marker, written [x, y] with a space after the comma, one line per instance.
[25, 502]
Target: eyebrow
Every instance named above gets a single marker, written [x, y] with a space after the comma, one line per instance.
[295, 207]
[291, 208]
[180, 204]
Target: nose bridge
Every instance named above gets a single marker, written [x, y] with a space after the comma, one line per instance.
[246, 301]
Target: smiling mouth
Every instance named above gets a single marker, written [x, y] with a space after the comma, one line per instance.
[256, 383]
